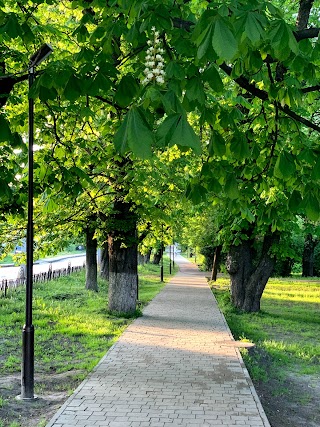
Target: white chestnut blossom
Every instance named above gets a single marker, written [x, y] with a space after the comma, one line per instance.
[154, 60]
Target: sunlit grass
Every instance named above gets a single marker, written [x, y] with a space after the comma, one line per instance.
[295, 291]
[286, 331]
[73, 328]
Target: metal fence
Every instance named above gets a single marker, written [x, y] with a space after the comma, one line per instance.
[7, 285]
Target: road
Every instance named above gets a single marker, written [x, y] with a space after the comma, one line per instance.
[42, 266]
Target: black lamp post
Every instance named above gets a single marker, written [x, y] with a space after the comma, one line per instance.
[173, 251]
[27, 369]
[161, 268]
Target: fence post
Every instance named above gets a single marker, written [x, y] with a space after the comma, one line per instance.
[50, 272]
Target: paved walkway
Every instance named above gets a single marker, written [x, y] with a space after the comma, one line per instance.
[177, 365]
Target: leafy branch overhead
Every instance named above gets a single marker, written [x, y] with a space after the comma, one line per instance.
[235, 82]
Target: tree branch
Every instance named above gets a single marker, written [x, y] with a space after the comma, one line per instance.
[6, 85]
[263, 95]
[303, 14]
[245, 84]
[310, 89]
[183, 25]
[300, 119]
[308, 33]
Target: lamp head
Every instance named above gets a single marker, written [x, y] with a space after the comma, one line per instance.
[41, 54]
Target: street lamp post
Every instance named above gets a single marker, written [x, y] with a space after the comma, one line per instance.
[27, 368]
[173, 251]
[161, 268]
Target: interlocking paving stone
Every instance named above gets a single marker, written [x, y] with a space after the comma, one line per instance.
[174, 366]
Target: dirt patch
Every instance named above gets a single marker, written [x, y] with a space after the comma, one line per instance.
[289, 400]
[54, 389]
[293, 402]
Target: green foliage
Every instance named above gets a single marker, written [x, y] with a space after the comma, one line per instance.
[135, 134]
[217, 144]
[238, 92]
[224, 41]
[285, 166]
[212, 76]
[175, 130]
[126, 91]
[5, 134]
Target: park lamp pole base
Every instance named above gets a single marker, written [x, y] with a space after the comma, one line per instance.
[27, 368]
[27, 399]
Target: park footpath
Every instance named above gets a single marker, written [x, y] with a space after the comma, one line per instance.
[177, 365]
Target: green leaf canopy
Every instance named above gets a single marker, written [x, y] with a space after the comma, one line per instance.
[134, 134]
[176, 130]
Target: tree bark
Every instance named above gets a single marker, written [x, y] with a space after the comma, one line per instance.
[123, 254]
[140, 259]
[157, 257]
[285, 267]
[248, 282]
[260, 276]
[308, 255]
[7, 83]
[104, 267]
[216, 262]
[91, 260]
[303, 14]
[239, 266]
[147, 256]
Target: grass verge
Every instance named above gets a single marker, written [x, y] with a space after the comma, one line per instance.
[7, 260]
[286, 333]
[73, 330]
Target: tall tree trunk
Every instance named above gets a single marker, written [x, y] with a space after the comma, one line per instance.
[239, 266]
[147, 256]
[285, 267]
[91, 260]
[248, 282]
[216, 262]
[157, 257]
[104, 266]
[123, 254]
[308, 255]
[140, 258]
[260, 276]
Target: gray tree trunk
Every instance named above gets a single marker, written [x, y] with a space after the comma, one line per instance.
[248, 282]
[141, 259]
[157, 257]
[123, 254]
[239, 266]
[104, 266]
[260, 276]
[147, 256]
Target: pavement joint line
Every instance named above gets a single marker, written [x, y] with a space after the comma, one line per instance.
[174, 366]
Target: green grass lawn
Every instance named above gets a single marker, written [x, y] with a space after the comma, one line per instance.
[73, 330]
[286, 332]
